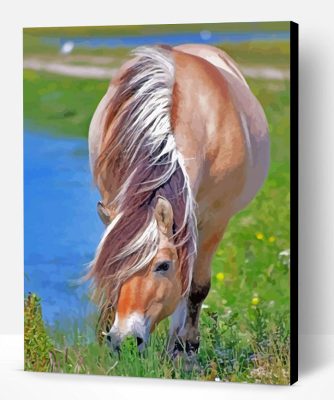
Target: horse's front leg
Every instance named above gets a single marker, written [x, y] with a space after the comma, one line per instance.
[190, 335]
[184, 330]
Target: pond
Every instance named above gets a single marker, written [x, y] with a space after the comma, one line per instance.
[61, 226]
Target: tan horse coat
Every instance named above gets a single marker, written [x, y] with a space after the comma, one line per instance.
[221, 131]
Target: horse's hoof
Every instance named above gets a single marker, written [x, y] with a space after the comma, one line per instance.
[187, 349]
[192, 347]
[177, 351]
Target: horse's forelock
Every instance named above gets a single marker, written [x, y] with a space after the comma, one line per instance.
[123, 251]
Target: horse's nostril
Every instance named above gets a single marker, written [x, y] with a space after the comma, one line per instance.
[139, 341]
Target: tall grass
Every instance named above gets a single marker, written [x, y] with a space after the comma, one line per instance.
[259, 353]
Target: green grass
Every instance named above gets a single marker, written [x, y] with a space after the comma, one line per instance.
[256, 352]
[274, 54]
[245, 323]
[59, 104]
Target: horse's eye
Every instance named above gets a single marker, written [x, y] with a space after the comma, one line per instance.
[162, 266]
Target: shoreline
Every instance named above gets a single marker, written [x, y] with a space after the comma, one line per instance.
[94, 71]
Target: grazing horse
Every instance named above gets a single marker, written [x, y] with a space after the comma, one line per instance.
[178, 145]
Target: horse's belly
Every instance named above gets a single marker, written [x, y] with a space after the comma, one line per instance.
[254, 128]
[229, 186]
[255, 131]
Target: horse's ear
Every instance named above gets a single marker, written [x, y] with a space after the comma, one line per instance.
[164, 215]
[103, 213]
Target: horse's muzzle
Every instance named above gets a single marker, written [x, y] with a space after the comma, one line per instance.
[135, 325]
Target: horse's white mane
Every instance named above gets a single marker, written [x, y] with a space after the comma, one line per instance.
[145, 142]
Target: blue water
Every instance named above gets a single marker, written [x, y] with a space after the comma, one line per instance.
[171, 39]
[61, 226]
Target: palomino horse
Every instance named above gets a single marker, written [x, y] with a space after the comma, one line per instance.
[178, 145]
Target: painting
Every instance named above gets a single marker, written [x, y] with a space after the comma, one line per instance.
[160, 201]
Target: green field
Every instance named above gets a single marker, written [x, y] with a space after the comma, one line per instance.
[245, 319]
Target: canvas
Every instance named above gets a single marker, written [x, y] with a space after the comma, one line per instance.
[160, 201]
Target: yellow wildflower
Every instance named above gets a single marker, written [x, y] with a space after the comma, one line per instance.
[272, 239]
[255, 301]
[259, 236]
[220, 276]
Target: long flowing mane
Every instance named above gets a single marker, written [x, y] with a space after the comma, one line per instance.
[138, 162]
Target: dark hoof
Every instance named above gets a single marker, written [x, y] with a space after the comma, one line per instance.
[192, 347]
[189, 349]
[177, 351]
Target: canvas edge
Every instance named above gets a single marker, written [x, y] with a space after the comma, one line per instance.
[294, 159]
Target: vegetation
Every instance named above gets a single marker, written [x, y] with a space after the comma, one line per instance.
[257, 352]
[38, 347]
[244, 324]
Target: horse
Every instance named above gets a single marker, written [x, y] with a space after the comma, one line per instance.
[178, 145]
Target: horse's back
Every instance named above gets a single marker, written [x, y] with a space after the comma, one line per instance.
[214, 56]
[239, 131]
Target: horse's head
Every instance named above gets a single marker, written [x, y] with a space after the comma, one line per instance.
[152, 293]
